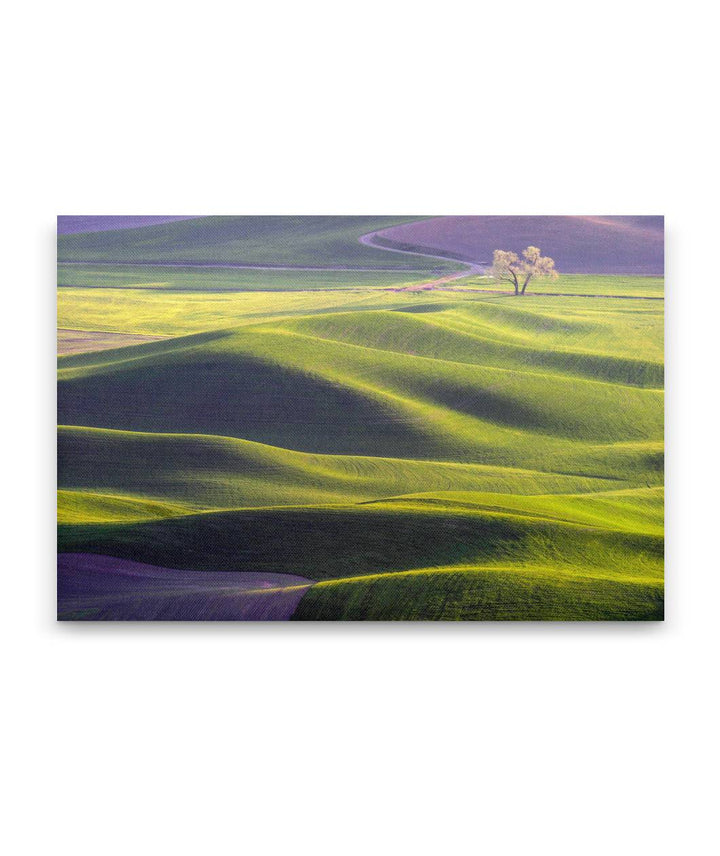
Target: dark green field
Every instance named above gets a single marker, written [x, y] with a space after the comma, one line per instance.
[330, 242]
[450, 453]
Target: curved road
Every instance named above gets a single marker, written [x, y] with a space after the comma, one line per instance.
[470, 268]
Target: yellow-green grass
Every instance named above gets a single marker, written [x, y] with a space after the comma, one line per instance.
[482, 594]
[620, 328]
[180, 313]
[202, 472]
[451, 335]
[82, 506]
[584, 284]
[617, 327]
[457, 454]
[637, 510]
[219, 279]
[296, 391]
[505, 543]
[331, 542]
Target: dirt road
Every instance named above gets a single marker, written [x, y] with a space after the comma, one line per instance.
[469, 269]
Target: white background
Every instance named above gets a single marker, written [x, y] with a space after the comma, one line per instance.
[402, 739]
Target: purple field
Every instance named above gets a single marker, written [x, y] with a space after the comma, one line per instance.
[103, 588]
[601, 245]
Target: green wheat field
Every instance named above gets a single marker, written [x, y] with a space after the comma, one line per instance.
[268, 418]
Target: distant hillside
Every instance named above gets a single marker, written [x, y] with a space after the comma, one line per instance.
[70, 224]
[609, 245]
[263, 241]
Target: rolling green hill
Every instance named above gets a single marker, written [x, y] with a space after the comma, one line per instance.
[264, 241]
[508, 545]
[444, 454]
[275, 385]
[202, 472]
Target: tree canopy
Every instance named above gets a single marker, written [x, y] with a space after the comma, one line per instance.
[510, 267]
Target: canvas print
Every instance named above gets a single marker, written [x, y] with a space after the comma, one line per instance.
[323, 418]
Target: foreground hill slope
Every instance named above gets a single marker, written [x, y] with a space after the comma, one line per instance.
[517, 547]
[468, 457]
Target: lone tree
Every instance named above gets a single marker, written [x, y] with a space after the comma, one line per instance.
[511, 268]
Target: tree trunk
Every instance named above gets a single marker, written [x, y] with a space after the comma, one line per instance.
[525, 284]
